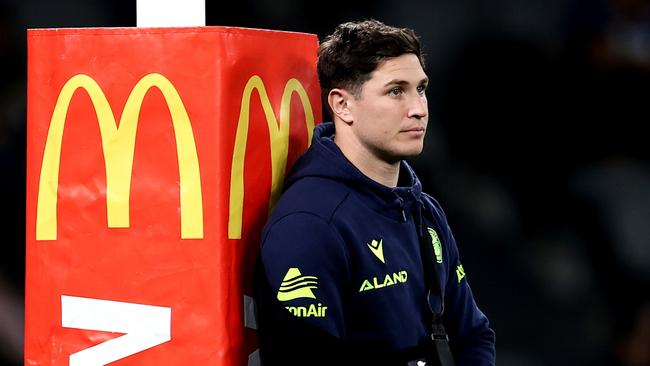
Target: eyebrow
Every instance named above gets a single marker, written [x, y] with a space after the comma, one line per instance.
[404, 82]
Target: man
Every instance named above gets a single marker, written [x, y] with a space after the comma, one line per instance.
[357, 265]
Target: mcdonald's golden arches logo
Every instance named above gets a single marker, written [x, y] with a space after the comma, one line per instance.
[118, 144]
[279, 142]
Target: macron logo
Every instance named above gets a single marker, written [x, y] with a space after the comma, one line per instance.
[377, 249]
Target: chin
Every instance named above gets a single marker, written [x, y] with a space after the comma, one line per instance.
[407, 153]
[412, 151]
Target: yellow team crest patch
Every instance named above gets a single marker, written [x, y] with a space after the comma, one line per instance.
[437, 245]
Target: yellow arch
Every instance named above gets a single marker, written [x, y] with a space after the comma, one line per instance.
[118, 145]
[279, 142]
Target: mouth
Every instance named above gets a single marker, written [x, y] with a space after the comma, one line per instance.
[414, 129]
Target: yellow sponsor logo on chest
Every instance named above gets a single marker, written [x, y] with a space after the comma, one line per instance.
[390, 279]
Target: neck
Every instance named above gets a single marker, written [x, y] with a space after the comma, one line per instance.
[370, 165]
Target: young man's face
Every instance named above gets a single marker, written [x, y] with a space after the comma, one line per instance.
[390, 115]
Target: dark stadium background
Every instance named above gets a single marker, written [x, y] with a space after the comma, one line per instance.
[536, 148]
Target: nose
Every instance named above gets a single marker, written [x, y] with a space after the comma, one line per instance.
[418, 107]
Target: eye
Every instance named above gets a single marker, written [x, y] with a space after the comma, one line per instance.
[396, 91]
[422, 89]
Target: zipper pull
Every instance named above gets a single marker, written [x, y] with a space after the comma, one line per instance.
[403, 215]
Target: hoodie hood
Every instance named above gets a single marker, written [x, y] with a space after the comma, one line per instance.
[325, 160]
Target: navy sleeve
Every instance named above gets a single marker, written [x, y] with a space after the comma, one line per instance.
[302, 274]
[471, 338]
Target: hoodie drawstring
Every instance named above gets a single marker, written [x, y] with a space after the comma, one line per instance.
[399, 201]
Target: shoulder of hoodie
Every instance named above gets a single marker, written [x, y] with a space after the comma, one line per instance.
[313, 196]
[438, 214]
[436, 209]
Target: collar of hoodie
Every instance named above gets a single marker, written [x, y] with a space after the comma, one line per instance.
[326, 161]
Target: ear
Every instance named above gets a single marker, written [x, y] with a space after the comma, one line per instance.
[339, 101]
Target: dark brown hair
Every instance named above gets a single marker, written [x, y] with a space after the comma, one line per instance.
[347, 57]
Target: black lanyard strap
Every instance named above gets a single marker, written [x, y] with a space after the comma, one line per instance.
[439, 335]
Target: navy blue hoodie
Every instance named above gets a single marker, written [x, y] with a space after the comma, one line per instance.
[341, 278]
